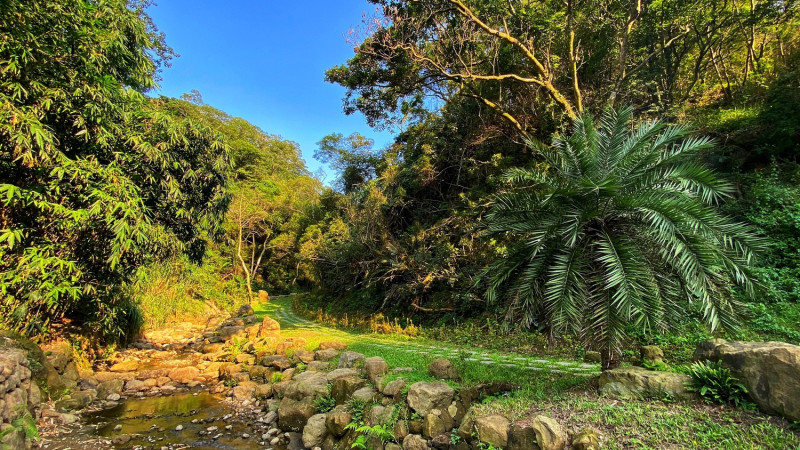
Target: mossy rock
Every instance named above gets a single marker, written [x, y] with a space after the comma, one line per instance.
[43, 372]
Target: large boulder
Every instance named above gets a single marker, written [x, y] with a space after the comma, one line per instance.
[343, 388]
[337, 420]
[374, 368]
[349, 360]
[638, 382]
[184, 375]
[424, 396]
[293, 414]
[269, 328]
[769, 370]
[311, 385]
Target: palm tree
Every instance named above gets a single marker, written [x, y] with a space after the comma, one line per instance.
[616, 227]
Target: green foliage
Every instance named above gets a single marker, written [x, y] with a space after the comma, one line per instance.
[325, 403]
[97, 178]
[365, 432]
[357, 408]
[24, 422]
[716, 384]
[618, 228]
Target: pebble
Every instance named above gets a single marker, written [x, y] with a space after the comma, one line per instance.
[212, 429]
[275, 441]
[228, 427]
[245, 436]
[179, 428]
[118, 428]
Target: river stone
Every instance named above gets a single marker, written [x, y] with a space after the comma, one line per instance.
[415, 442]
[638, 382]
[443, 368]
[125, 366]
[549, 434]
[315, 431]
[349, 360]
[424, 396]
[652, 354]
[337, 420]
[493, 430]
[109, 387]
[184, 375]
[521, 437]
[586, 440]
[375, 367]
[326, 355]
[343, 388]
[135, 386]
[769, 370]
[279, 362]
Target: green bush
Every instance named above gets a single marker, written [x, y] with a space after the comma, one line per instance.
[716, 384]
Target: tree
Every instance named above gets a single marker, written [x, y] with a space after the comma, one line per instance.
[351, 157]
[618, 228]
[97, 179]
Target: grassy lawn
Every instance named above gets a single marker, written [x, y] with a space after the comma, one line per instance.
[561, 388]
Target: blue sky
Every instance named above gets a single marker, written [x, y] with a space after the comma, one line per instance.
[264, 60]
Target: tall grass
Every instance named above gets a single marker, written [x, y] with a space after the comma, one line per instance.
[179, 290]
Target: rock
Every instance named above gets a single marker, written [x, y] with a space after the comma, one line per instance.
[339, 373]
[109, 387]
[290, 345]
[586, 440]
[179, 427]
[349, 360]
[424, 396]
[232, 331]
[467, 427]
[400, 430]
[592, 356]
[303, 356]
[769, 371]
[652, 354]
[441, 442]
[135, 385]
[318, 366]
[263, 391]
[337, 420]
[394, 388]
[367, 393]
[343, 388]
[261, 373]
[245, 358]
[493, 430]
[307, 384]
[315, 431]
[415, 442]
[279, 362]
[432, 425]
[244, 310]
[521, 437]
[244, 392]
[443, 368]
[375, 367]
[380, 415]
[125, 366]
[392, 446]
[184, 375]
[269, 328]
[263, 297]
[326, 355]
[638, 382]
[549, 434]
[121, 440]
[338, 346]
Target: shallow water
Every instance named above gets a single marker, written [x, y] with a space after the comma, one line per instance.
[152, 421]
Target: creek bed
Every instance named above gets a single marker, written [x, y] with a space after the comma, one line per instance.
[151, 424]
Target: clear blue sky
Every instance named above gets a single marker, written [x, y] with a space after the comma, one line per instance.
[265, 60]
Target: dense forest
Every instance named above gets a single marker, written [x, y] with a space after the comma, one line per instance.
[585, 169]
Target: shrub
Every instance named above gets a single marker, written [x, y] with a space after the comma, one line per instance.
[716, 384]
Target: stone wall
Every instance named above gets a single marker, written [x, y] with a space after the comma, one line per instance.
[19, 397]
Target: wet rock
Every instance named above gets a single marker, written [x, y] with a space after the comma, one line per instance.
[443, 368]
[424, 396]
[769, 370]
